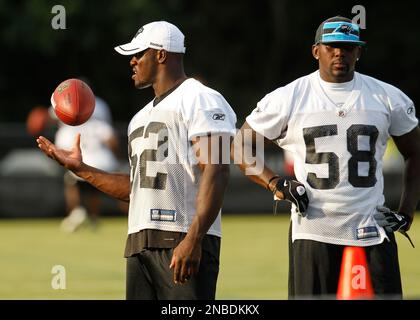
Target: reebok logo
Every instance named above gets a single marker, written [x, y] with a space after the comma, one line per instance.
[219, 116]
[156, 44]
[410, 110]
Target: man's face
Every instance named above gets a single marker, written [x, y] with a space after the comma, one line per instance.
[337, 61]
[144, 68]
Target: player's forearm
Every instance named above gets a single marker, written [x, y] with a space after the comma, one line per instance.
[116, 185]
[262, 178]
[411, 186]
[209, 199]
[251, 162]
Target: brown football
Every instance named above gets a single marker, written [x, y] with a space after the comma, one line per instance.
[73, 102]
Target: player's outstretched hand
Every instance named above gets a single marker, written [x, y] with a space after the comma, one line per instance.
[185, 260]
[294, 192]
[70, 159]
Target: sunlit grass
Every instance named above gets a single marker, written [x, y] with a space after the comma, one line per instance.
[254, 259]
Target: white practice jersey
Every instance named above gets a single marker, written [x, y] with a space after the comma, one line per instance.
[164, 172]
[337, 152]
[95, 134]
[93, 142]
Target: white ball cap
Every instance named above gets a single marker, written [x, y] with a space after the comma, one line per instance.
[157, 35]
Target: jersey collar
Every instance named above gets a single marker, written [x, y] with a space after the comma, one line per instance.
[351, 100]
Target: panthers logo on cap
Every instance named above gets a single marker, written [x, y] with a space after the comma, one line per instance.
[344, 28]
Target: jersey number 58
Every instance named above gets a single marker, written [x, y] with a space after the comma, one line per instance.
[353, 132]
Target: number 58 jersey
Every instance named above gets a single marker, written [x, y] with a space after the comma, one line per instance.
[164, 170]
[337, 152]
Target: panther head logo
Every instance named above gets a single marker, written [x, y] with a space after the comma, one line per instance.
[344, 28]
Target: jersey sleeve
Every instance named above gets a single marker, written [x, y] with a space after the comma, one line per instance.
[403, 114]
[270, 116]
[211, 114]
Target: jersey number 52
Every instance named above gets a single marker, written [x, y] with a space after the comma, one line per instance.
[147, 155]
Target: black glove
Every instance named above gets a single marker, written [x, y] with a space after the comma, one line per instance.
[392, 221]
[294, 192]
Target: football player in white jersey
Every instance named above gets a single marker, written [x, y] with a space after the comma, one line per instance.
[100, 148]
[179, 156]
[336, 123]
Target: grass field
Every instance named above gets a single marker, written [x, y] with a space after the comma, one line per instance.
[253, 259]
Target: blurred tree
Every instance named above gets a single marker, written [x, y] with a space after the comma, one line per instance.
[242, 48]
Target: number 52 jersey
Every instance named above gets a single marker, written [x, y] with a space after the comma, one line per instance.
[337, 152]
[164, 171]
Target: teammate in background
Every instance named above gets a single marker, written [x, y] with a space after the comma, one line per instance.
[99, 145]
[336, 122]
[177, 183]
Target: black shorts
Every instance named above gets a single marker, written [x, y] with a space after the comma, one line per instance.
[86, 188]
[314, 269]
[149, 277]
[70, 179]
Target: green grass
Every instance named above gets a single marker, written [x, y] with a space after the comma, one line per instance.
[93, 261]
[254, 259]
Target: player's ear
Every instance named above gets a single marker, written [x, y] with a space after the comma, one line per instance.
[161, 56]
[315, 51]
[359, 52]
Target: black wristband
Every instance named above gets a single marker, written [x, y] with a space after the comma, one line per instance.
[271, 179]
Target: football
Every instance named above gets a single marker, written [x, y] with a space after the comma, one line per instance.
[73, 102]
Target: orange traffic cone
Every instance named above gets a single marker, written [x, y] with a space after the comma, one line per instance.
[354, 282]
